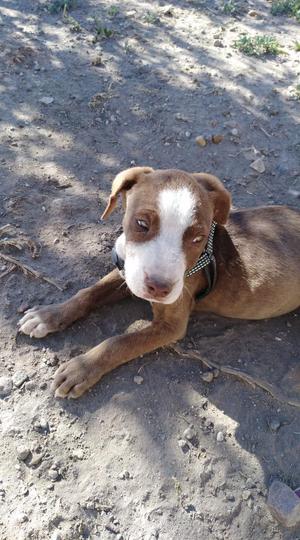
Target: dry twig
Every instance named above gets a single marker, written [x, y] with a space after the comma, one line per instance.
[228, 370]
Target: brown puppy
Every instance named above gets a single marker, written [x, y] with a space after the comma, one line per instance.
[177, 253]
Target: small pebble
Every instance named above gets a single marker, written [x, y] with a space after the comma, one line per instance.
[138, 379]
[53, 474]
[218, 43]
[274, 425]
[125, 475]
[23, 452]
[220, 436]
[6, 386]
[19, 377]
[182, 444]
[189, 433]
[258, 165]
[207, 376]
[46, 100]
[246, 494]
[201, 141]
[216, 139]
[77, 453]
[234, 132]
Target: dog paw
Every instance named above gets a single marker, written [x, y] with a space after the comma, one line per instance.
[73, 378]
[38, 322]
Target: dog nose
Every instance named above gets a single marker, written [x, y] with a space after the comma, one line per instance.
[157, 288]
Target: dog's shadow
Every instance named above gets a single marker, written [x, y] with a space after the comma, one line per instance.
[173, 391]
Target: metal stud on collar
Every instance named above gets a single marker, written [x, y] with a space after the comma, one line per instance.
[207, 255]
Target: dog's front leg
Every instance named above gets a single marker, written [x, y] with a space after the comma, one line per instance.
[42, 320]
[73, 378]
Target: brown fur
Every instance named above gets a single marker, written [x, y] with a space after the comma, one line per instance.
[258, 265]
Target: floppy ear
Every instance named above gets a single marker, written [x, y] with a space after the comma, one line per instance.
[220, 197]
[122, 183]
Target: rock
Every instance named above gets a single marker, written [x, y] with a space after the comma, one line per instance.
[284, 504]
[253, 13]
[218, 43]
[138, 379]
[23, 452]
[19, 377]
[274, 425]
[234, 132]
[46, 100]
[250, 483]
[216, 139]
[201, 141]
[220, 436]
[182, 444]
[189, 433]
[258, 165]
[246, 494]
[181, 118]
[56, 536]
[6, 386]
[36, 460]
[207, 376]
[41, 424]
[77, 453]
[30, 385]
[53, 474]
[125, 475]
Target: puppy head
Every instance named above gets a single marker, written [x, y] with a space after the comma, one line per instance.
[168, 215]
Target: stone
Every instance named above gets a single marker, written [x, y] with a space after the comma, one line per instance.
[46, 100]
[216, 139]
[6, 386]
[274, 425]
[201, 141]
[138, 379]
[125, 475]
[182, 444]
[207, 376]
[218, 43]
[234, 132]
[189, 433]
[19, 377]
[53, 474]
[77, 453]
[246, 494]
[220, 436]
[23, 452]
[284, 504]
[258, 165]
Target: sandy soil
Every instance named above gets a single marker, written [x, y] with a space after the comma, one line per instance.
[75, 110]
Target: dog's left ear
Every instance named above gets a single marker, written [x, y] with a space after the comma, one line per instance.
[122, 183]
[218, 194]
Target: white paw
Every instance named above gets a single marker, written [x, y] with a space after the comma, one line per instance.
[33, 325]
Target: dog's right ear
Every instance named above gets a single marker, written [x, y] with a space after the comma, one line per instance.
[122, 183]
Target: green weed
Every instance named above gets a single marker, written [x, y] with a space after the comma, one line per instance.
[101, 31]
[257, 45]
[286, 7]
[297, 46]
[230, 8]
[113, 11]
[56, 6]
[151, 18]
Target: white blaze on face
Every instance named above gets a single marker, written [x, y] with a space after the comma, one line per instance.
[162, 257]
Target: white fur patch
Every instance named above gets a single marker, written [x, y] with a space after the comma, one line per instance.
[162, 257]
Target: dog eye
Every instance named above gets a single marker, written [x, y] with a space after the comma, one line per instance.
[142, 224]
[197, 239]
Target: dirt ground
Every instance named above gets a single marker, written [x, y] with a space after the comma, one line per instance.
[77, 107]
